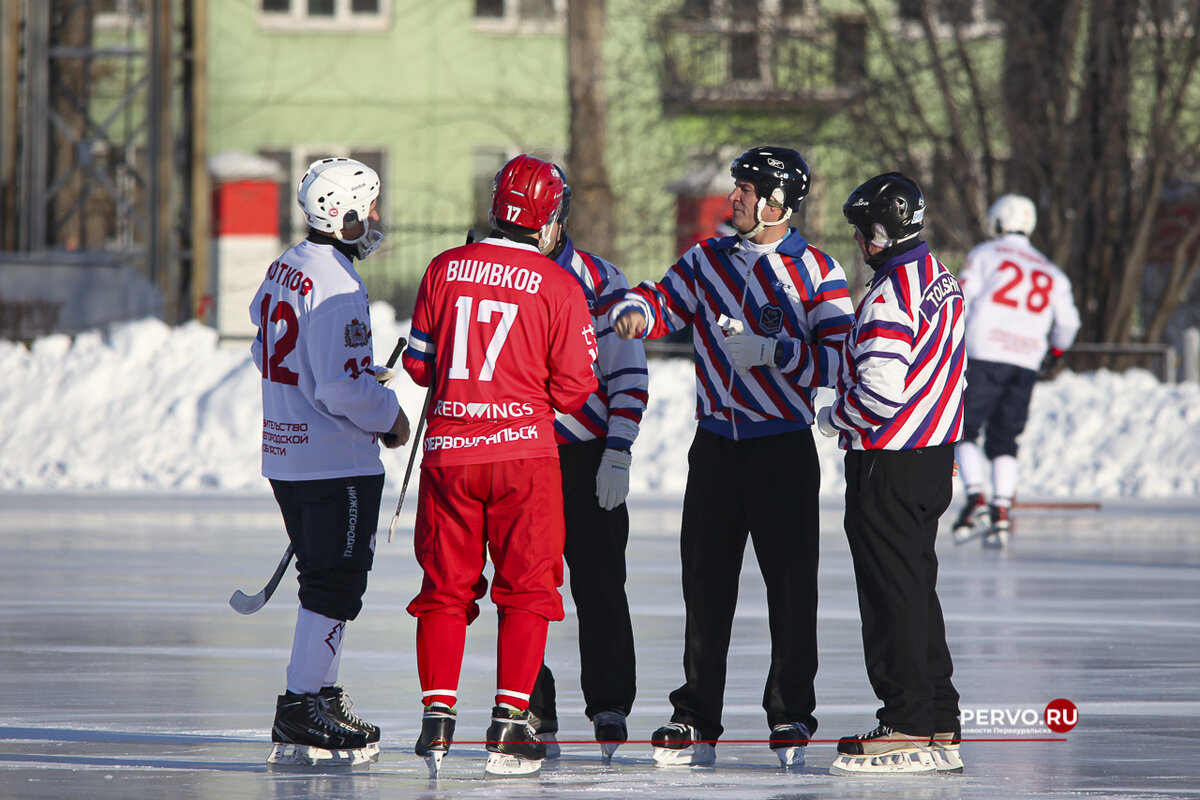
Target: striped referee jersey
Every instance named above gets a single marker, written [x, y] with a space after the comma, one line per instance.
[794, 294]
[904, 365]
[614, 411]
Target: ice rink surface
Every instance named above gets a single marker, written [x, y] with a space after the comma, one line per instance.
[126, 676]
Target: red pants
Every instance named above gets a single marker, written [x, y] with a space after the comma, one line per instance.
[514, 509]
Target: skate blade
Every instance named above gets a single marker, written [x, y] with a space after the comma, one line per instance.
[433, 760]
[503, 764]
[964, 535]
[608, 750]
[696, 755]
[912, 762]
[947, 761]
[299, 755]
[995, 541]
[791, 756]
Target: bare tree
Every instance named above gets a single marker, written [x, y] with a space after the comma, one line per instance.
[1088, 106]
[587, 166]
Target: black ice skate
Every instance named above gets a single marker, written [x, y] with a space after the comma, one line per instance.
[611, 732]
[340, 704]
[437, 734]
[307, 733]
[678, 744]
[883, 751]
[974, 520]
[998, 534]
[513, 748]
[545, 730]
[788, 740]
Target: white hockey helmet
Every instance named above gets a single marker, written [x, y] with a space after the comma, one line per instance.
[1012, 213]
[336, 192]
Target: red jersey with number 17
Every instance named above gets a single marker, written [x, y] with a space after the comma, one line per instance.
[506, 336]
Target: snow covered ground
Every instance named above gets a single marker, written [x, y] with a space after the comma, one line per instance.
[147, 406]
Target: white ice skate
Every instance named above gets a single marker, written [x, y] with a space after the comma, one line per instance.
[974, 521]
[677, 744]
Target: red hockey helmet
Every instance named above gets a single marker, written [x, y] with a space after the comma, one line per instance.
[527, 192]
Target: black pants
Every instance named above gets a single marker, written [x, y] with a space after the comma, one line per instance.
[595, 556]
[997, 400]
[766, 488]
[332, 523]
[893, 501]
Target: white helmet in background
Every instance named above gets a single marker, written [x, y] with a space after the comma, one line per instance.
[336, 192]
[1012, 213]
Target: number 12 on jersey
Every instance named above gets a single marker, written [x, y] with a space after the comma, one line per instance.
[462, 335]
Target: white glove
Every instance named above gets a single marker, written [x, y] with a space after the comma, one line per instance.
[825, 422]
[612, 479]
[750, 350]
[731, 326]
[382, 374]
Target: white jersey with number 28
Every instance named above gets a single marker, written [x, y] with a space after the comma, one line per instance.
[1018, 303]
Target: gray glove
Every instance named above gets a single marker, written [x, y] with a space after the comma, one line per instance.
[612, 479]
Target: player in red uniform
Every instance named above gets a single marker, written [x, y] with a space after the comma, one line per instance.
[504, 336]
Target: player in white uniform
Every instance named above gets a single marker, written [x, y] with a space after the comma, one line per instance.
[324, 413]
[1019, 306]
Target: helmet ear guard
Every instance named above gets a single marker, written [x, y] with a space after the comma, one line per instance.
[338, 192]
[780, 177]
[888, 208]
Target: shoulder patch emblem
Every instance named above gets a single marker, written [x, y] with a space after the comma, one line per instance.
[357, 334]
[770, 319]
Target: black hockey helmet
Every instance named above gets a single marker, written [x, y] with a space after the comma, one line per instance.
[566, 199]
[892, 201]
[780, 176]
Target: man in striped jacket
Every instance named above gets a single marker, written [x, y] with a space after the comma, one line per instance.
[594, 453]
[768, 314]
[898, 412]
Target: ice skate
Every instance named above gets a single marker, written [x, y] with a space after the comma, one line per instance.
[946, 756]
[788, 740]
[974, 520]
[340, 704]
[437, 734]
[611, 732]
[883, 751]
[998, 534]
[513, 749]
[678, 744]
[545, 730]
[307, 733]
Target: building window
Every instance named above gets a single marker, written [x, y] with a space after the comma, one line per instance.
[324, 15]
[972, 17]
[486, 162]
[293, 162]
[520, 16]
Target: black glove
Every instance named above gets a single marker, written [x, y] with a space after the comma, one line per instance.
[1049, 364]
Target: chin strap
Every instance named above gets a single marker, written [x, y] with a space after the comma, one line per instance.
[367, 243]
[760, 226]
